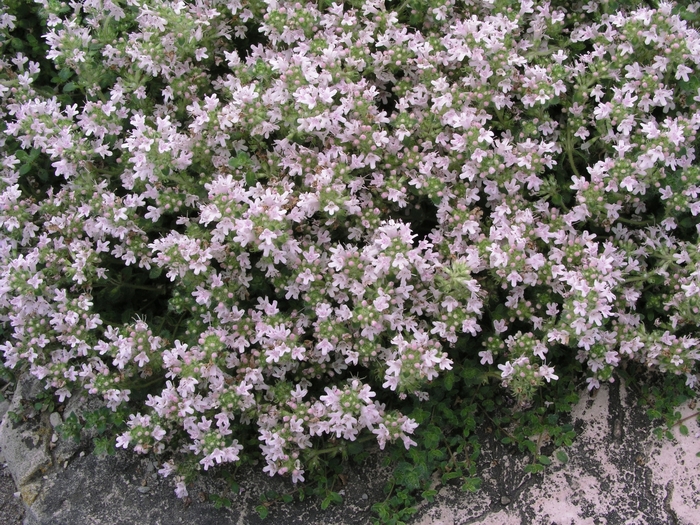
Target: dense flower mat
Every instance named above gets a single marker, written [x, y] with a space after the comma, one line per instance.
[281, 219]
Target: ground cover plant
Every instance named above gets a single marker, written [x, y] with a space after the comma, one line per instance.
[297, 231]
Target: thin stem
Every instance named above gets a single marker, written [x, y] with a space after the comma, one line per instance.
[138, 286]
[391, 491]
[145, 385]
[570, 153]
[178, 324]
[511, 436]
[637, 279]
[691, 416]
[499, 116]
[336, 448]
[538, 445]
[403, 6]
[636, 223]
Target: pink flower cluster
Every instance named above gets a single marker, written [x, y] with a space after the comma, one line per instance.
[350, 197]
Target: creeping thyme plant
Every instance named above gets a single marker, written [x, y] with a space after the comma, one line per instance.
[261, 226]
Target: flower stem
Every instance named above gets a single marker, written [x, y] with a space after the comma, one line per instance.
[570, 153]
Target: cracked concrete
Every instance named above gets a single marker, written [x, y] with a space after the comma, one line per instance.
[617, 473]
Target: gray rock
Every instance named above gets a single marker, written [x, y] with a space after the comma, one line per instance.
[109, 490]
[4, 407]
[55, 419]
[25, 441]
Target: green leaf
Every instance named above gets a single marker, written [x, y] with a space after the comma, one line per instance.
[22, 155]
[447, 476]
[471, 484]
[544, 460]
[24, 169]
[431, 437]
[534, 468]
[449, 381]
[325, 503]
[436, 454]
[428, 494]
[34, 154]
[103, 446]
[530, 446]
[683, 429]
[239, 161]
[65, 74]
[688, 223]
[262, 511]
[420, 415]
[250, 178]
[561, 456]
[382, 509]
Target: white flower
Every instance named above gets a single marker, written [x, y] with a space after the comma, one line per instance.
[547, 373]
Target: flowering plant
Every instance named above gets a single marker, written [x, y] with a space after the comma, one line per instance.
[284, 217]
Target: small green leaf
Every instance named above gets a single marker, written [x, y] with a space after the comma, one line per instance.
[420, 415]
[431, 437]
[530, 445]
[544, 460]
[684, 430]
[436, 454]
[561, 456]
[325, 503]
[262, 511]
[428, 494]
[449, 381]
[447, 476]
[69, 87]
[382, 509]
[22, 155]
[534, 468]
[688, 223]
[471, 484]
[103, 447]
[240, 160]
